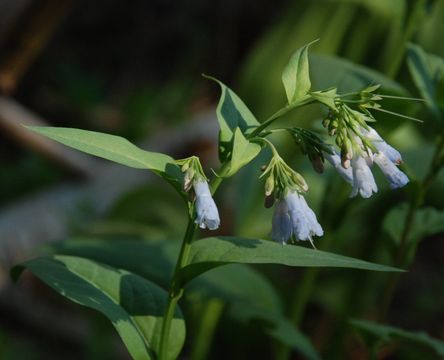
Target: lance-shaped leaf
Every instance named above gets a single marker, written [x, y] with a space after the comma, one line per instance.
[243, 152]
[296, 75]
[231, 113]
[387, 334]
[246, 291]
[113, 148]
[211, 252]
[134, 305]
[428, 74]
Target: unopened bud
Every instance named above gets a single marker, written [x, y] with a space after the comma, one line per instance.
[298, 178]
[317, 164]
[269, 185]
[188, 179]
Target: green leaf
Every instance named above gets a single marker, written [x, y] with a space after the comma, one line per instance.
[278, 327]
[326, 97]
[243, 152]
[428, 221]
[113, 148]
[245, 289]
[427, 71]
[389, 333]
[134, 305]
[231, 113]
[211, 252]
[296, 75]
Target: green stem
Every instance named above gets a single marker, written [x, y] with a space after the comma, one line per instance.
[177, 287]
[415, 203]
[304, 100]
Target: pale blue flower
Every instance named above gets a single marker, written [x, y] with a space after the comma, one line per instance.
[293, 216]
[395, 176]
[281, 223]
[379, 143]
[206, 209]
[335, 161]
[363, 180]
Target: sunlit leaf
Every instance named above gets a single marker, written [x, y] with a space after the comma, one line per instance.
[296, 75]
[231, 113]
[211, 252]
[390, 333]
[113, 148]
[134, 305]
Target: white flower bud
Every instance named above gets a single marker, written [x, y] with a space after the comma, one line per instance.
[395, 176]
[363, 180]
[206, 209]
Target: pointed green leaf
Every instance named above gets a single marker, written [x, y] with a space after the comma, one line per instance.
[243, 152]
[134, 305]
[231, 113]
[113, 148]
[211, 252]
[389, 333]
[427, 71]
[296, 75]
[326, 97]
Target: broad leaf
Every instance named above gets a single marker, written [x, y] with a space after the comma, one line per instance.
[296, 75]
[389, 333]
[134, 305]
[113, 148]
[244, 288]
[211, 252]
[427, 71]
[243, 152]
[231, 113]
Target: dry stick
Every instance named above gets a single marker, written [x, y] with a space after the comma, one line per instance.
[13, 119]
[30, 36]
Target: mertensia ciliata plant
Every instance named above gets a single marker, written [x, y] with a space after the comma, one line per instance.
[150, 323]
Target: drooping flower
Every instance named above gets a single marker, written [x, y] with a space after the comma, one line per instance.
[377, 141]
[281, 229]
[395, 176]
[363, 181]
[206, 209]
[335, 161]
[293, 216]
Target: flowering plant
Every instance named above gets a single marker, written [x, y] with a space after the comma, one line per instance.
[143, 308]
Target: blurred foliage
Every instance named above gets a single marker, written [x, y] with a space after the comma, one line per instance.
[130, 86]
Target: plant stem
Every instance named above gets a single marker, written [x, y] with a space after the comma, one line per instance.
[415, 203]
[176, 288]
[304, 100]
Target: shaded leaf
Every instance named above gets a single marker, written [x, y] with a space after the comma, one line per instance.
[389, 333]
[278, 327]
[427, 71]
[211, 252]
[428, 221]
[134, 305]
[296, 75]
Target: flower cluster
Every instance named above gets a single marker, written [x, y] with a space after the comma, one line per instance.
[207, 215]
[361, 147]
[292, 217]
